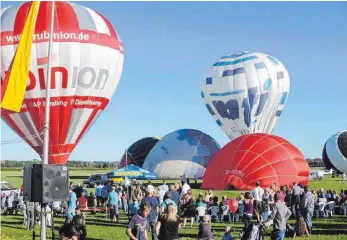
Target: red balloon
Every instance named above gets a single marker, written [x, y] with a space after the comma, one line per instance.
[233, 205]
[256, 157]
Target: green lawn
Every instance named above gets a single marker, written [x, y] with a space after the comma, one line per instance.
[333, 228]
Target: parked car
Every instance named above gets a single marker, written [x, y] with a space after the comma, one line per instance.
[95, 179]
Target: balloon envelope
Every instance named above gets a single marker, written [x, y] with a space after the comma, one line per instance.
[256, 157]
[87, 62]
[182, 152]
[335, 152]
[138, 151]
[246, 92]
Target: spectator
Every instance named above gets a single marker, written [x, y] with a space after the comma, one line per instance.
[168, 224]
[138, 224]
[69, 232]
[288, 198]
[279, 215]
[267, 200]
[227, 234]
[257, 194]
[208, 195]
[283, 193]
[183, 179]
[185, 188]
[178, 188]
[71, 201]
[189, 208]
[224, 201]
[164, 186]
[308, 207]
[82, 202]
[84, 189]
[240, 209]
[78, 190]
[113, 204]
[125, 201]
[98, 191]
[248, 209]
[153, 214]
[80, 223]
[137, 194]
[205, 231]
[300, 226]
[104, 194]
[150, 187]
[92, 202]
[174, 194]
[296, 195]
[161, 194]
[166, 202]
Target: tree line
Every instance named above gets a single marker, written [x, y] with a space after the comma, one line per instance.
[312, 162]
[71, 163]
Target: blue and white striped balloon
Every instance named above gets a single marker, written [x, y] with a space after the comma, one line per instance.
[245, 92]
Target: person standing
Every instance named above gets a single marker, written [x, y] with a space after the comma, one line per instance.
[104, 195]
[168, 224]
[257, 194]
[71, 201]
[267, 200]
[113, 204]
[344, 177]
[308, 207]
[137, 194]
[247, 209]
[153, 214]
[296, 195]
[174, 195]
[280, 214]
[138, 224]
[98, 194]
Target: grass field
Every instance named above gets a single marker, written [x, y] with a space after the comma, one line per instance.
[332, 228]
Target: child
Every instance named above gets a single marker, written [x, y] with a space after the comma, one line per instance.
[227, 234]
[79, 222]
[205, 231]
[138, 224]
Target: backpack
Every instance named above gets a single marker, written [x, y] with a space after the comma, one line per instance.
[77, 220]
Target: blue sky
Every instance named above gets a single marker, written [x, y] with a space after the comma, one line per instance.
[169, 45]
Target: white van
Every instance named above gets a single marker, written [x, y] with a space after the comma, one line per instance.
[317, 174]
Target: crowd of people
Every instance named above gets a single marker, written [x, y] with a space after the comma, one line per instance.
[161, 211]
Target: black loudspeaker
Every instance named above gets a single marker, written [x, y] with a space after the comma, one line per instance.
[27, 183]
[49, 183]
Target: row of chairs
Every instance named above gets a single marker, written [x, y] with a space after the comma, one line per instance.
[217, 213]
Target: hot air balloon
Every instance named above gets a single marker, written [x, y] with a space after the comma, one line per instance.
[335, 152]
[256, 157]
[87, 61]
[138, 151]
[245, 92]
[182, 152]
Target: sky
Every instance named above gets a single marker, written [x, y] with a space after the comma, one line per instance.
[168, 47]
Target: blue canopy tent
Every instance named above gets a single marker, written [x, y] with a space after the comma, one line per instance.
[133, 172]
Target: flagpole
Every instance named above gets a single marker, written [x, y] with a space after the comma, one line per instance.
[47, 115]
